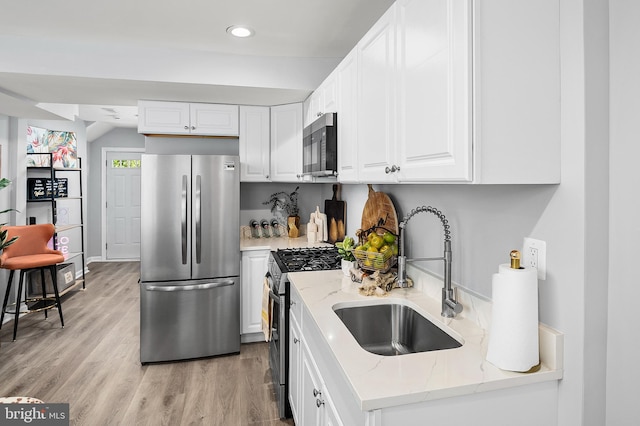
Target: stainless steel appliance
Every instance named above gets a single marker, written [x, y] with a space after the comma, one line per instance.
[280, 263]
[320, 146]
[189, 257]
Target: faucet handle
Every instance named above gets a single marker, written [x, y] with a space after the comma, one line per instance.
[454, 306]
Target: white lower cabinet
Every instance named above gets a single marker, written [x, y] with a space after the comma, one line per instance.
[295, 357]
[254, 268]
[311, 403]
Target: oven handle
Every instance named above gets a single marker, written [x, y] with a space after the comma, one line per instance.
[274, 297]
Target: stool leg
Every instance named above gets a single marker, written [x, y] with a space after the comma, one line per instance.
[17, 314]
[44, 291]
[54, 280]
[6, 296]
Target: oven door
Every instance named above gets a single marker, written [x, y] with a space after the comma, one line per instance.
[277, 352]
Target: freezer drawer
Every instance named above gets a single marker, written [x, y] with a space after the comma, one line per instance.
[191, 319]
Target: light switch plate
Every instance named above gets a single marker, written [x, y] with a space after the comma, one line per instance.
[535, 256]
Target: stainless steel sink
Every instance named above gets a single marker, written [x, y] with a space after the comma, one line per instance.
[393, 329]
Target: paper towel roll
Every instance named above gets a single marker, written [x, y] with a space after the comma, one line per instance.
[513, 338]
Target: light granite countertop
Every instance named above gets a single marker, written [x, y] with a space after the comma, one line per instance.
[385, 381]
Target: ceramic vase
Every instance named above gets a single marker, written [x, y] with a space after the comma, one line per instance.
[347, 265]
[293, 223]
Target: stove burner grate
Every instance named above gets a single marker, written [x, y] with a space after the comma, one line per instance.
[309, 259]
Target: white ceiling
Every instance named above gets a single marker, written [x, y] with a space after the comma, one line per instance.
[99, 58]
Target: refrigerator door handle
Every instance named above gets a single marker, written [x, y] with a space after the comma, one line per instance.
[184, 220]
[205, 286]
[198, 209]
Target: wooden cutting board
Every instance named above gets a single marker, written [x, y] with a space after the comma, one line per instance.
[379, 210]
[336, 215]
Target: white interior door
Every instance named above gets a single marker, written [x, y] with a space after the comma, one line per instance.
[123, 205]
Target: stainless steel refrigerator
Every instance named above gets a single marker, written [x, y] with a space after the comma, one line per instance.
[189, 257]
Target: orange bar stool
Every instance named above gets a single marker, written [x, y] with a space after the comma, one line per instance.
[30, 252]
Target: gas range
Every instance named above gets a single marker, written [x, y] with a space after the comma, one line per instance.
[281, 262]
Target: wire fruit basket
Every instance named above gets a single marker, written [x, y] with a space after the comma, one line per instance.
[382, 260]
[372, 261]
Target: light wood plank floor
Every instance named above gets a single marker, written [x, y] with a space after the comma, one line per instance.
[94, 365]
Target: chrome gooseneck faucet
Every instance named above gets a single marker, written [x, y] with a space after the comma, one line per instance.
[450, 307]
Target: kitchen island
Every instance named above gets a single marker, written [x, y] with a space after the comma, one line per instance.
[454, 386]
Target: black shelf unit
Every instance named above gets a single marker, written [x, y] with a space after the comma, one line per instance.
[50, 172]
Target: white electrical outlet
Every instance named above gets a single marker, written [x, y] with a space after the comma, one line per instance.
[535, 256]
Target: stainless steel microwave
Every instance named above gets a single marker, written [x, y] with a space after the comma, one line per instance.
[320, 150]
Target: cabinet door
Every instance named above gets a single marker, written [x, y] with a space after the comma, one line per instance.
[316, 104]
[329, 94]
[214, 119]
[295, 359]
[310, 390]
[330, 416]
[347, 80]
[306, 111]
[163, 117]
[434, 93]
[376, 105]
[323, 100]
[286, 143]
[254, 268]
[254, 144]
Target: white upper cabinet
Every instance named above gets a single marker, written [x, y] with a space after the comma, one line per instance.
[347, 90]
[163, 117]
[516, 91]
[376, 100]
[322, 100]
[254, 143]
[330, 94]
[179, 118]
[433, 81]
[214, 119]
[454, 91]
[286, 143]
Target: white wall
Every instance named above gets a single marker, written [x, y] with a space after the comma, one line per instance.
[116, 138]
[623, 374]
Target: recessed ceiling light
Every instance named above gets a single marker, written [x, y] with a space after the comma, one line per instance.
[240, 31]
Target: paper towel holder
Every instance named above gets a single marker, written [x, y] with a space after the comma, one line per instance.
[514, 255]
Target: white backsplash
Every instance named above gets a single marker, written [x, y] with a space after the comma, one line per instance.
[477, 308]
